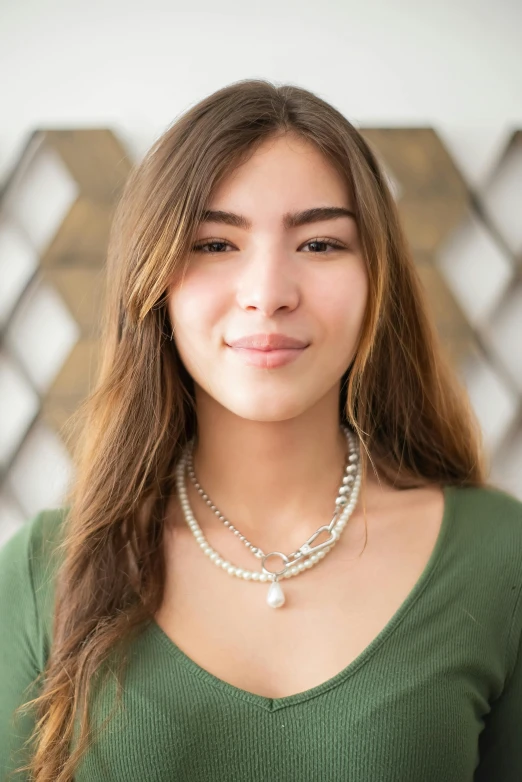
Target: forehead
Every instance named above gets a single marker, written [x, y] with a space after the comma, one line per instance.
[287, 176]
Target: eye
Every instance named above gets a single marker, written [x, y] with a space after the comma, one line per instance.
[210, 243]
[325, 243]
[219, 243]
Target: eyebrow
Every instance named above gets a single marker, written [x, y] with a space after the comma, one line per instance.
[290, 219]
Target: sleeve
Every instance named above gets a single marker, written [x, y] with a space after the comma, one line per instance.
[500, 743]
[19, 654]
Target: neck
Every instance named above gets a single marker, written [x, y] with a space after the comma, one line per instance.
[276, 481]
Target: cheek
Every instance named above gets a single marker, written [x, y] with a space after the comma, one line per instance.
[195, 306]
[342, 302]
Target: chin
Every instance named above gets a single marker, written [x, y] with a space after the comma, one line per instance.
[268, 411]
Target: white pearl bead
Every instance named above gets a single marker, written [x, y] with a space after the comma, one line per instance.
[346, 502]
[275, 597]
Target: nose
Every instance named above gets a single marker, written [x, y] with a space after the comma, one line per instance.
[268, 283]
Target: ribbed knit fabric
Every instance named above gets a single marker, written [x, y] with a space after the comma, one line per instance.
[436, 696]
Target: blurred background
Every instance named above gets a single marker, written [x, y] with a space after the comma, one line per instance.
[86, 89]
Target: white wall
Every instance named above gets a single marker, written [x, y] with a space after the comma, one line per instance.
[134, 65]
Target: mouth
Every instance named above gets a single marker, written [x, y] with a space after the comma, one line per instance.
[267, 350]
[267, 341]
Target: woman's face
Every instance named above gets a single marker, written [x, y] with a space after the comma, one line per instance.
[295, 286]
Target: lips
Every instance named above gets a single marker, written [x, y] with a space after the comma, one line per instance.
[267, 351]
[267, 342]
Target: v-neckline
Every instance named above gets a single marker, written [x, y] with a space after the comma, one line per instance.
[273, 704]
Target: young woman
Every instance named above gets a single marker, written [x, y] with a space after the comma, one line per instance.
[280, 558]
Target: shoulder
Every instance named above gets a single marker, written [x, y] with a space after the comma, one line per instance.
[29, 560]
[484, 556]
[44, 534]
[45, 538]
[487, 509]
[486, 540]
[490, 519]
[36, 544]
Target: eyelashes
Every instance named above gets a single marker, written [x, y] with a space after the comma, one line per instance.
[200, 246]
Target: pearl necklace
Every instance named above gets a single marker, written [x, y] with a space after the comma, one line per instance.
[309, 553]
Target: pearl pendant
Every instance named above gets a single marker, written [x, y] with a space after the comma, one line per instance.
[275, 597]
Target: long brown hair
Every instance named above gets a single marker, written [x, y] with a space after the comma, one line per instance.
[400, 395]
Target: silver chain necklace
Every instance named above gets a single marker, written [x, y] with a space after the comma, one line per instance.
[295, 563]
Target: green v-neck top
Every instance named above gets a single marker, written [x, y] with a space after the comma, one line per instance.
[435, 697]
